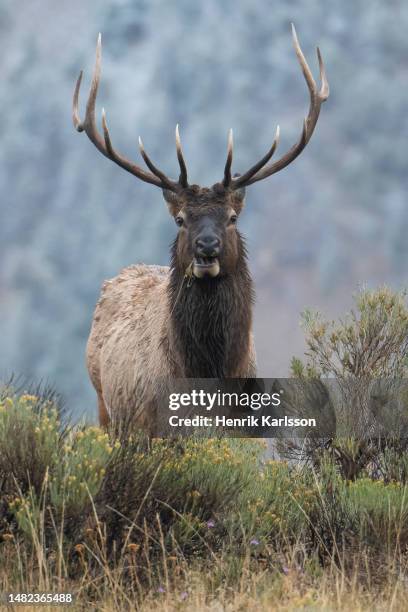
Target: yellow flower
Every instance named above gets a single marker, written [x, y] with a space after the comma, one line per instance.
[28, 398]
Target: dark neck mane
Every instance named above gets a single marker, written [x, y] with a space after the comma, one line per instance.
[211, 321]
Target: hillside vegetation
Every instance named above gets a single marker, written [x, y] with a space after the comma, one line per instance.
[124, 523]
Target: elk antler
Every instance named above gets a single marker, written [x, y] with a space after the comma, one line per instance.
[104, 145]
[258, 172]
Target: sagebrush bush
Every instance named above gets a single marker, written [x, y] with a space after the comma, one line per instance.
[362, 363]
[184, 494]
[189, 484]
[116, 508]
[44, 464]
[148, 509]
[30, 441]
[370, 341]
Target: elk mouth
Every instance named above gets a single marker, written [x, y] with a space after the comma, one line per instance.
[206, 266]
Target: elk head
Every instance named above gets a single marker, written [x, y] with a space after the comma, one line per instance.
[208, 241]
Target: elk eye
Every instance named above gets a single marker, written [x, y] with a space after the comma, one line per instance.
[179, 220]
[233, 219]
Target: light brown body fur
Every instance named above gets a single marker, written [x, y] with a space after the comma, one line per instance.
[130, 352]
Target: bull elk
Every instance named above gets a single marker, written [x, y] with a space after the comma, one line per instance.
[193, 319]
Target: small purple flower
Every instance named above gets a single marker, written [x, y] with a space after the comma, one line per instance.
[254, 542]
[210, 524]
[183, 595]
[285, 570]
[161, 589]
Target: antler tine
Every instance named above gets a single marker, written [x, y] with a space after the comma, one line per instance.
[324, 89]
[104, 144]
[75, 113]
[183, 168]
[228, 163]
[149, 162]
[307, 73]
[317, 97]
[89, 123]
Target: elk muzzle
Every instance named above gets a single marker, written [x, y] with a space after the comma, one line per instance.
[206, 252]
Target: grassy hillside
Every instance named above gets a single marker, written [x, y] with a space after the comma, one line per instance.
[124, 524]
[127, 523]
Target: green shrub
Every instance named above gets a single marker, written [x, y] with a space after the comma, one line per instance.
[190, 484]
[30, 441]
[371, 341]
[43, 465]
[97, 499]
[362, 361]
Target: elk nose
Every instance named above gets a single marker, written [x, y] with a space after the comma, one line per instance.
[208, 245]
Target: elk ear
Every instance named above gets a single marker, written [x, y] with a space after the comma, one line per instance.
[173, 202]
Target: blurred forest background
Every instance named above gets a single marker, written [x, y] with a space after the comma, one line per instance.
[333, 220]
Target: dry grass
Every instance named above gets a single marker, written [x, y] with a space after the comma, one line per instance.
[197, 586]
[148, 542]
[124, 523]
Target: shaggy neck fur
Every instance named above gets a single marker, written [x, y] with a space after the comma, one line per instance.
[211, 321]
